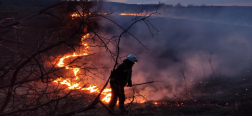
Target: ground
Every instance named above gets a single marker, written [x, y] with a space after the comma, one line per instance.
[187, 109]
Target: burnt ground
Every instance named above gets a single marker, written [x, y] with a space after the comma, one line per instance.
[213, 97]
[218, 97]
[187, 109]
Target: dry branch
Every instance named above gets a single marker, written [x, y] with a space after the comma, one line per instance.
[144, 83]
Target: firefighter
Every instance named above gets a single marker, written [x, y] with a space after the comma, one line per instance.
[120, 77]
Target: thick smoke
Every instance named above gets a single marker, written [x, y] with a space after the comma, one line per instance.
[197, 47]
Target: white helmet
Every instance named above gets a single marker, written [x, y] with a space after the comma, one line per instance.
[132, 58]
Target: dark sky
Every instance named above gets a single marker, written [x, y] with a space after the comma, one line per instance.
[183, 2]
[195, 2]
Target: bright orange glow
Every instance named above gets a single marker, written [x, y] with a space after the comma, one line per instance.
[76, 70]
[143, 101]
[107, 98]
[75, 15]
[107, 93]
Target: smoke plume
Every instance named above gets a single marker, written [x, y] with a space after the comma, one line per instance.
[186, 48]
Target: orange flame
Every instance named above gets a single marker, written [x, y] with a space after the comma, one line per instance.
[91, 89]
[77, 15]
[73, 85]
[107, 93]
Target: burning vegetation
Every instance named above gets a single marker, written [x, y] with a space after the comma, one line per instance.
[48, 75]
[77, 85]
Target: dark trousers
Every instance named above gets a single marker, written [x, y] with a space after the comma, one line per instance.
[117, 91]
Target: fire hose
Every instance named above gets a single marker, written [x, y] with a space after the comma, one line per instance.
[144, 83]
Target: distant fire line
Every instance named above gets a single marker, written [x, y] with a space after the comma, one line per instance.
[78, 15]
[130, 14]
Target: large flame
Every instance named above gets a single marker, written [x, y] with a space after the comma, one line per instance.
[77, 85]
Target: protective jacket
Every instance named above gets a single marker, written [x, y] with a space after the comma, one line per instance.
[122, 74]
[118, 79]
